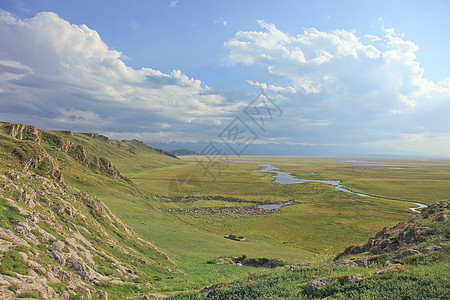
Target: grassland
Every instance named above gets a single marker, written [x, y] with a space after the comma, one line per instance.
[321, 219]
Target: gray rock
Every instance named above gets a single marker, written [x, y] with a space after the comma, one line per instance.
[431, 249]
[319, 283]
[5, 245]
[406, 253]
[296, 266]
[152, 296]
[441, 218]
[350, 279]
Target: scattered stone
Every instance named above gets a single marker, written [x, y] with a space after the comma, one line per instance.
[5, 245]
[319, 283]
[350, 279]
[251, 262]
[406, 253]
[441, 218]
[149, 286]
[389, 268]
[14, 238]
[296, 266]
[237, 210]
[402, 235]
[431, 249]
[153, 296]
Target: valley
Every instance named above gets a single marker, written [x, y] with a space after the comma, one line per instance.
[184, 210]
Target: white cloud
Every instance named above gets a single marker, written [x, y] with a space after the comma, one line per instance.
[75, 116]
[46, 61]
[173, 3]
[221, 21]
[359, 85]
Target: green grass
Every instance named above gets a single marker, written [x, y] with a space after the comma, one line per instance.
[32, 295]
[425, 280]
[12, 262]
[320, 218]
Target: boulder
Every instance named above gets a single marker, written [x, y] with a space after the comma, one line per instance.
[406, 253]
[441, 218]
[152, 296]
[319, 283]
[389, 268]
[431, 249]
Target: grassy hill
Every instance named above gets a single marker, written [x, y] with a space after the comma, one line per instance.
[407, 261]
[167, 217]
[58, 241]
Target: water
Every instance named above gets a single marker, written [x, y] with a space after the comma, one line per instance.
[419, 206]
[274, 206]
[287, 178]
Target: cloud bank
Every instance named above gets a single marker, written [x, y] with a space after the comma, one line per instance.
[337, 89]
[56, 74]
[341, 88]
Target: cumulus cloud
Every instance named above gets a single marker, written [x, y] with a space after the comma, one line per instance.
[51, 69]
[340, 82]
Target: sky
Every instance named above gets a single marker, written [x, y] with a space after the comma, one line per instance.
[251, 77]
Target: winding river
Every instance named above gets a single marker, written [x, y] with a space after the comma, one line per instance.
[287, 178]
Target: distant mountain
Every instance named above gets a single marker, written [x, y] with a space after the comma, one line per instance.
[182, 151]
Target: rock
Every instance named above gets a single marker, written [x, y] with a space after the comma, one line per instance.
[149, 286]
[420, 230]
[296, 266]
[347, 262]
[51, 278]
[5, 245]
[14, 238]
[81, 268]
[101, 295]
[431, 249]
[28, 198]
[363, 262]
[156, 296]
[350, 279]
[6, 294]
[401, 235]
[441, 218]
[58, 271]
[319, 283]
[36, 266]
[406, 253]
[389, 268]
[35, 284]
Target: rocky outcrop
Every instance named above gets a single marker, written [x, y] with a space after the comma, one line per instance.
[80, 154]
[55, 235]
[33, 156]
[403, 234]
[247, 261]
[237, 210]
[322, 282]
[25, 132]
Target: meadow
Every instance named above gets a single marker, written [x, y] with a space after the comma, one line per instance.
[321, 219]
[186, 206]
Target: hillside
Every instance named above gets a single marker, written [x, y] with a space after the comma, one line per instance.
[58, 242]
[85, 216]
[407, 261]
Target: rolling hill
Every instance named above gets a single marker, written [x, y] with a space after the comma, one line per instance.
[85, 216]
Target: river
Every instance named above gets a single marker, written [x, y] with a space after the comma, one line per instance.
[282, 177]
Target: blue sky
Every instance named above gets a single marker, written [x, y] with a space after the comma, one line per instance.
[352, 77]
